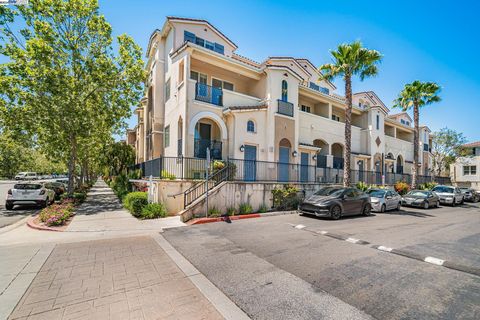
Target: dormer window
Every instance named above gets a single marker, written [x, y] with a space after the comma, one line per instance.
[191, 37]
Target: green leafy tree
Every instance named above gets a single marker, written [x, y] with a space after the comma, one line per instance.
[118, 157]
[64, 81]
[350, 60]
[446, 147]
[416, 95]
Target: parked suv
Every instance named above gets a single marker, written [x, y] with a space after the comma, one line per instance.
[29, 194]
[449, 195]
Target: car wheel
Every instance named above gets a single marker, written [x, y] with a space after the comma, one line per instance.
[383, 208]
[454, 203]
[437, 204]
[399, 206]
[425, 205]
[366, 210]
[44, 204]
[9, 206]
[461, 202]
[336, 212]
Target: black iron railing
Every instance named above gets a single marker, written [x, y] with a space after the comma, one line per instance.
[201, 146]
[285, 108]
[209, 94]
[338, 163]
[200, 188]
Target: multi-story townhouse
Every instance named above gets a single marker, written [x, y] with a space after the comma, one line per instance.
[465, 172]
[202, 95]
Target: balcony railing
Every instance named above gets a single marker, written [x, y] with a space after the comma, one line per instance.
[201, 145]
[337, 163]
[285, 108]
[208, 94]
[316, 87]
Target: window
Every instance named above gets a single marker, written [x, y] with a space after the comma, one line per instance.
[305, 108]
[407, 123]
[199, 77]
[222, 84]
[469, 170]
[378, 122]
[167, 136]
[284, 90]
[335, 117]
[250, 126]
[167, 90]
[191, 37]
[181, 72]
[402, 121]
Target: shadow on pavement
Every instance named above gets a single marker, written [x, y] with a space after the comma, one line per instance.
[411, 213]
[100, 199]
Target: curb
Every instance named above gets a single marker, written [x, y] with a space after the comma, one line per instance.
[226, 307]
[400, 252]
[32, 225]
[14, 225]
[239, 217]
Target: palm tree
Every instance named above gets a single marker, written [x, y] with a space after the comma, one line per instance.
[349, 60]
[417, 94]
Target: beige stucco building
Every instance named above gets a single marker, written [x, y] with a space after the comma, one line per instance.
[201, 93]
[465, 172]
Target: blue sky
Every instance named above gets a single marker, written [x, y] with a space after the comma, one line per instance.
[425, 40]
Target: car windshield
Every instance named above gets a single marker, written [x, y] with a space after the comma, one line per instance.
[329, 191]
[376, 193]
[418, 193]
[27, 186]
[443, 189]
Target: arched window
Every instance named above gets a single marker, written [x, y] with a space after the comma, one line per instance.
[250, 126]
[284, 90]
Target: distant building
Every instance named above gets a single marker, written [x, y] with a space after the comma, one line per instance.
[465, 172]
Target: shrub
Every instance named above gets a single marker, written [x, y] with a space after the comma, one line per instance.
[79, 197]
[362, 186]
[245, 208]
[402, 187]
[213, 212]
[57, 214]
[135, 202]
[427, 186]
[263, 208]
[153, 210]
[231, 211]
[218, 165]
[167, 175]
[121, 186]
[286, 198]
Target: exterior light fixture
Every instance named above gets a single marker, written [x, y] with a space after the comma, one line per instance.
[314, 157]
[295, 153]
[242, 148]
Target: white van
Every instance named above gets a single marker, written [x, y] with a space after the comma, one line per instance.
[26, 176]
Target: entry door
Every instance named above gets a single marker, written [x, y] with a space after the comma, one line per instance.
[250, 165]
[360, 170]
[304, 166]
[284, 159]
[202, 137]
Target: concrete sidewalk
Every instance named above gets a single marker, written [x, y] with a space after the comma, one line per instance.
[102, 211]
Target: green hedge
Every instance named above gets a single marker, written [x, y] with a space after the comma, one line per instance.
[153, 210]
[135, 202]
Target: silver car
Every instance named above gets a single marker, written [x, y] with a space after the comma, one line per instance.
[383, 200]
[449, 195]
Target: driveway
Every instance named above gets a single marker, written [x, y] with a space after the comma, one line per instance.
[284, 267]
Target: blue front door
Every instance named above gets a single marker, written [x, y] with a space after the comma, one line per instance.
[284, 159]
[250, 165]
[304, 167]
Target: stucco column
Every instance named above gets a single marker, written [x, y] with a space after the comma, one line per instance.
[329, 161]
[330, 112]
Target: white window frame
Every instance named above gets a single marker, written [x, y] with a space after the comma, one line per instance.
[167, 141]
[199, 75]
[308, 109]
[168, 89]
[223, 85]
[254, 126]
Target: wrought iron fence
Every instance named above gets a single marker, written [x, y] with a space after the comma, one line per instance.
[208, 94]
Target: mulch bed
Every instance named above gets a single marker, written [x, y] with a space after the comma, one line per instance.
[35, 223]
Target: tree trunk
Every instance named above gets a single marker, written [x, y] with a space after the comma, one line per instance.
[348, 132]
[71, 165]
[416, 115]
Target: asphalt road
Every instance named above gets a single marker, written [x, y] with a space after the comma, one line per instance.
[273, 270]
[8, 217]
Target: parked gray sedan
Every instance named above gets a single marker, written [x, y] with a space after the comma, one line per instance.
[383, 200]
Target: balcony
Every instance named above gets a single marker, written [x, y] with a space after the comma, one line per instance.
[208, 94]
[285, 108]
[337, 163]
[316, 87]
[201, 145]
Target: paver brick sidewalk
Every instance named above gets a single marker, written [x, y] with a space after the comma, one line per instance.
[123, 278]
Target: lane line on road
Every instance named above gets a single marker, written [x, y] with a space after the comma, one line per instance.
[401, 252]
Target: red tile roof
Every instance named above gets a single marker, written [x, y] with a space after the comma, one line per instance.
[472, 144]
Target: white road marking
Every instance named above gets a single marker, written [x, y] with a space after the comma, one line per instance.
[323, 232]
[300, 226]
[386, 249]
[436, 261]
[352, 240]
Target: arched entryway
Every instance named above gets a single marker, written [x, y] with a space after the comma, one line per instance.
[209, 132]
[322, 154]
[399, 166]
[337, 153]
[284, 151]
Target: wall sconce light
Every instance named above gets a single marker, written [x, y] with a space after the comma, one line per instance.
[295, 153]
[314, 157]
[242, 148]
[359, 162]
[285, 74]
[377, 163]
